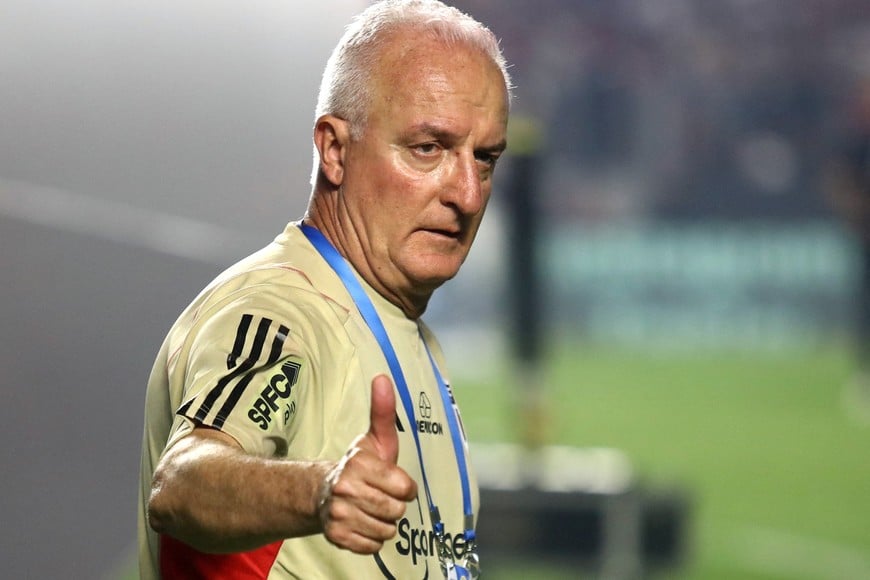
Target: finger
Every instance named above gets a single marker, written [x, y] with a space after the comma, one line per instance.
[382, 429]
[350, 528]
[385, 499]
[374, 485]
[354, 542]
[362, 545]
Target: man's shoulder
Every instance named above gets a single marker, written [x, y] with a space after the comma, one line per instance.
[285, 280]
[288, 261]
[288, 268]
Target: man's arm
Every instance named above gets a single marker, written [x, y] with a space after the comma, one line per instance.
[210, 494]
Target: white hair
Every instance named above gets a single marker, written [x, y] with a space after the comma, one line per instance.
[345, 90]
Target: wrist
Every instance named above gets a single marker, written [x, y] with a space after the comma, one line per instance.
[329, 474]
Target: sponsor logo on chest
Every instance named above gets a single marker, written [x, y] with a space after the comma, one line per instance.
[425, 424]
[420, 542]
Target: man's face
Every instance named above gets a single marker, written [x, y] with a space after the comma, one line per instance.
[417, 182]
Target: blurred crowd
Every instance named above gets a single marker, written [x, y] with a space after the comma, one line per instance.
[687, 109]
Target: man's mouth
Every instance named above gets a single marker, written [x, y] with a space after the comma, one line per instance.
[447, 233]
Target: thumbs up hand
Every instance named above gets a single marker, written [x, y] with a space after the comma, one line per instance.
[366, 493]
[382, 433]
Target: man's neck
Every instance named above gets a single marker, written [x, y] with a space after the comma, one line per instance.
[322, 215]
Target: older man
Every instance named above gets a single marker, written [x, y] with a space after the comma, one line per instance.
[299, 422]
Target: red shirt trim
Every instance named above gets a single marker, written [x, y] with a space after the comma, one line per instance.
[178, 561]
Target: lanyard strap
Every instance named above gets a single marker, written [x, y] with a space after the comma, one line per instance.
[370, 315]
[452, 413]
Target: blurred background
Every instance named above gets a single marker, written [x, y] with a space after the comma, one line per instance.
[658, 333]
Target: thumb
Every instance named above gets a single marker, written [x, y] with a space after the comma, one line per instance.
[383, 419]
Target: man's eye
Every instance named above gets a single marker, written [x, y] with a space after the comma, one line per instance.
[487, 159]
[426, 148]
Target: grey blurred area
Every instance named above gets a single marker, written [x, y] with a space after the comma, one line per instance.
[144, 146]
[199, 109]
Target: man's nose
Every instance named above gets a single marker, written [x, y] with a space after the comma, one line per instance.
[465, 190]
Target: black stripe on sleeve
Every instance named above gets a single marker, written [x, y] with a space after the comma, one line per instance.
[278, 343]
[182, 410]
[239, 345]
[236, 394]
[247, 365]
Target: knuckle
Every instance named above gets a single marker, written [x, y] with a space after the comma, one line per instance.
[371, 547]
[408, 487]
[332, 533]
[339, 535]
[393, 509]
[342, 487]
[388, 532]
[338, 511]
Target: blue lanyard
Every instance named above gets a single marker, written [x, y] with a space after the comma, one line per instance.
[370, 315]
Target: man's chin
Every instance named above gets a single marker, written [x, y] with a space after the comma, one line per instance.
[429, 269]
[431, 278]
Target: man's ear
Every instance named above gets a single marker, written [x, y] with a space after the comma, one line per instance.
[331, 138]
